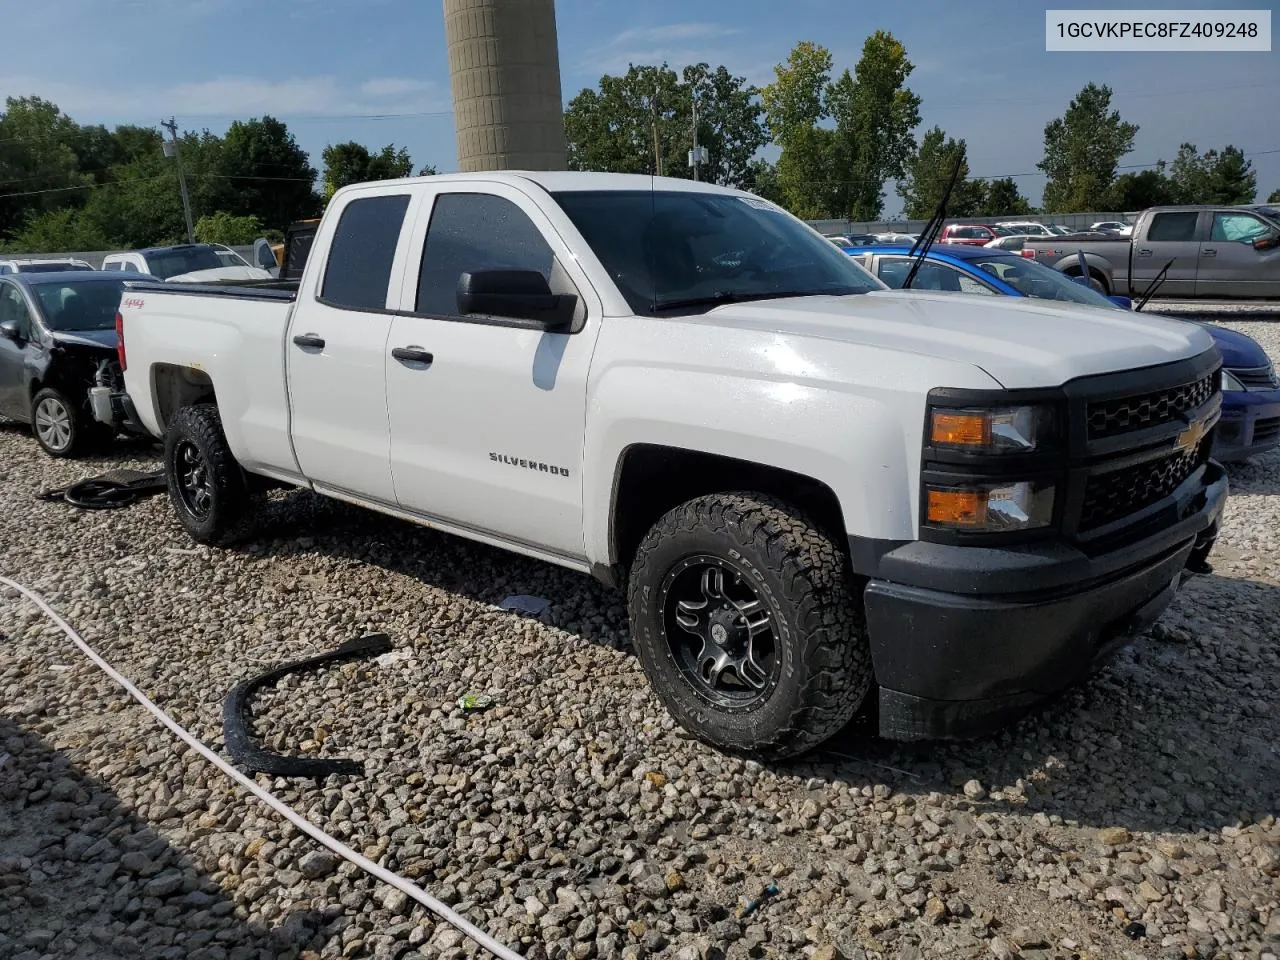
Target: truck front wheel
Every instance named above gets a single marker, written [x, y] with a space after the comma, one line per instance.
[209, 490]
[745, 619]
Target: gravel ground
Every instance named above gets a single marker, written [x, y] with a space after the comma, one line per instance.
[1134, 818]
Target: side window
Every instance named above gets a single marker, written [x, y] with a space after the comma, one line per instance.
[1237, 227]
[1173, 226]
[470, 232]
[128, 266]
[969, 284]
[358, 272]
[14, 308]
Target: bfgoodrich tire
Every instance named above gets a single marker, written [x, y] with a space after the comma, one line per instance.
[745, 620]
[209, 490]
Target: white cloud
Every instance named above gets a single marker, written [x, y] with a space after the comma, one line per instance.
[233, 97]
[669, 32]
[395, 86]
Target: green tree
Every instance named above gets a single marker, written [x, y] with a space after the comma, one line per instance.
[874, 113]
[1137, 191]
[1082, 149]
[1001, 198]
[1273, 197]
[927, 172]
[224, 228]
[57, 231]
[618, 126]
[428, 170]
[351, 162]
[389, 164]
[266, 173]
[793, 108]
[1212, 177]
[761, 178]
[38, 163]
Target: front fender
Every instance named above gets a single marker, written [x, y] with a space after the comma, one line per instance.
[862, 441]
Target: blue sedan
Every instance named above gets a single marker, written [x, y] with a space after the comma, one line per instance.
[1250, 422]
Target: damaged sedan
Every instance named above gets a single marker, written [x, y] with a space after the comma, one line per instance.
[57, 341]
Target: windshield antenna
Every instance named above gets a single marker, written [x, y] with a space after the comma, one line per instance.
[931, 229]
[1153, 287]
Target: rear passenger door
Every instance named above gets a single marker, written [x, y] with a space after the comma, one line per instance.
[487, 434]
[1230, 265]
[1172, 235]
[336, 344]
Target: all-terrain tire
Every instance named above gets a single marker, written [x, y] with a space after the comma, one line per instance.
[223, 511]
[823, 657]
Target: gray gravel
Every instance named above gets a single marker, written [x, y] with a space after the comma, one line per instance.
[572, 819]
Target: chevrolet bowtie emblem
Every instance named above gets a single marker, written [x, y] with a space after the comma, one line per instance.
[1190, 438]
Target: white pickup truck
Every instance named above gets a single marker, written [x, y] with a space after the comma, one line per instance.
[820, 493]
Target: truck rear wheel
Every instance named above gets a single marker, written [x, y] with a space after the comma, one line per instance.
[209, 490]
[745, 620]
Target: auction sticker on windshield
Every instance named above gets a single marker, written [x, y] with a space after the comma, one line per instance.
[1156, 30]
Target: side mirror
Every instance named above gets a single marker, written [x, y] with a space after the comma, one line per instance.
[9, 330]
[515, 294]
[1268, 241]
[1124, 303]
[262, 255]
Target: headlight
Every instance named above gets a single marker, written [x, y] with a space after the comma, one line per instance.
[989, 507]
[995, 430]
[1229, 382]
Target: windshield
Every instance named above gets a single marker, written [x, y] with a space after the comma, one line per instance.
[229, 258]
[681, 248]
[79, 304]
[1034, 279]
[170, 263]
[51, 267]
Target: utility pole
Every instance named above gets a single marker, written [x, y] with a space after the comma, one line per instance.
[657, 150]
[693, 157]
[171, 150]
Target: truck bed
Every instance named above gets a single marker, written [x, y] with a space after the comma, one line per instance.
[278, 290]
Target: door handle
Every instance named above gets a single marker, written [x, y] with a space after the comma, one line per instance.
[1144, 253]
[412, 355]
[1208, 253]
[310, 340]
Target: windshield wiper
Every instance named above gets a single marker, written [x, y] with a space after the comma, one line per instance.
[724, 296]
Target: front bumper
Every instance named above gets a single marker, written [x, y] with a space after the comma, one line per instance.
[964, 639]
[115, 409]
[1250, 425]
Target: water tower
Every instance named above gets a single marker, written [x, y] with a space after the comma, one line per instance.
[504, 68]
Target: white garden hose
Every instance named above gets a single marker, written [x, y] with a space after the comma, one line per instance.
[337, 846]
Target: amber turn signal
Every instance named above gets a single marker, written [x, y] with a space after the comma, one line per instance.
[961, 429]
[957, 508]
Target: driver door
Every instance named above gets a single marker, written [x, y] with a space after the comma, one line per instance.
[13, 353]
[487, 424]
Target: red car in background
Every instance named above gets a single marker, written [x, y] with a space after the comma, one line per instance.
[970, 234]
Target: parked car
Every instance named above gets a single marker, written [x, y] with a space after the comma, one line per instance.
[1118, 227]
[968, 234]
[186, 263]
[1058, 230]
[1026, 228]
[57, 341]
[43, 266]
[1250, 423]
[1217, 252]
[681, 387]
[891, 237]
[1012, 242]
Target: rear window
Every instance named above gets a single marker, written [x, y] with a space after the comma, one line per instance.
[171, 263]
[79, 304]
[49, 267]
[1173, 226]
[358, 271]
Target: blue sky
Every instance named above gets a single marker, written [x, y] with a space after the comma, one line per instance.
[334, 69]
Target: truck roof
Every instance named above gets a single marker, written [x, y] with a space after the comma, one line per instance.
[559, 181]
